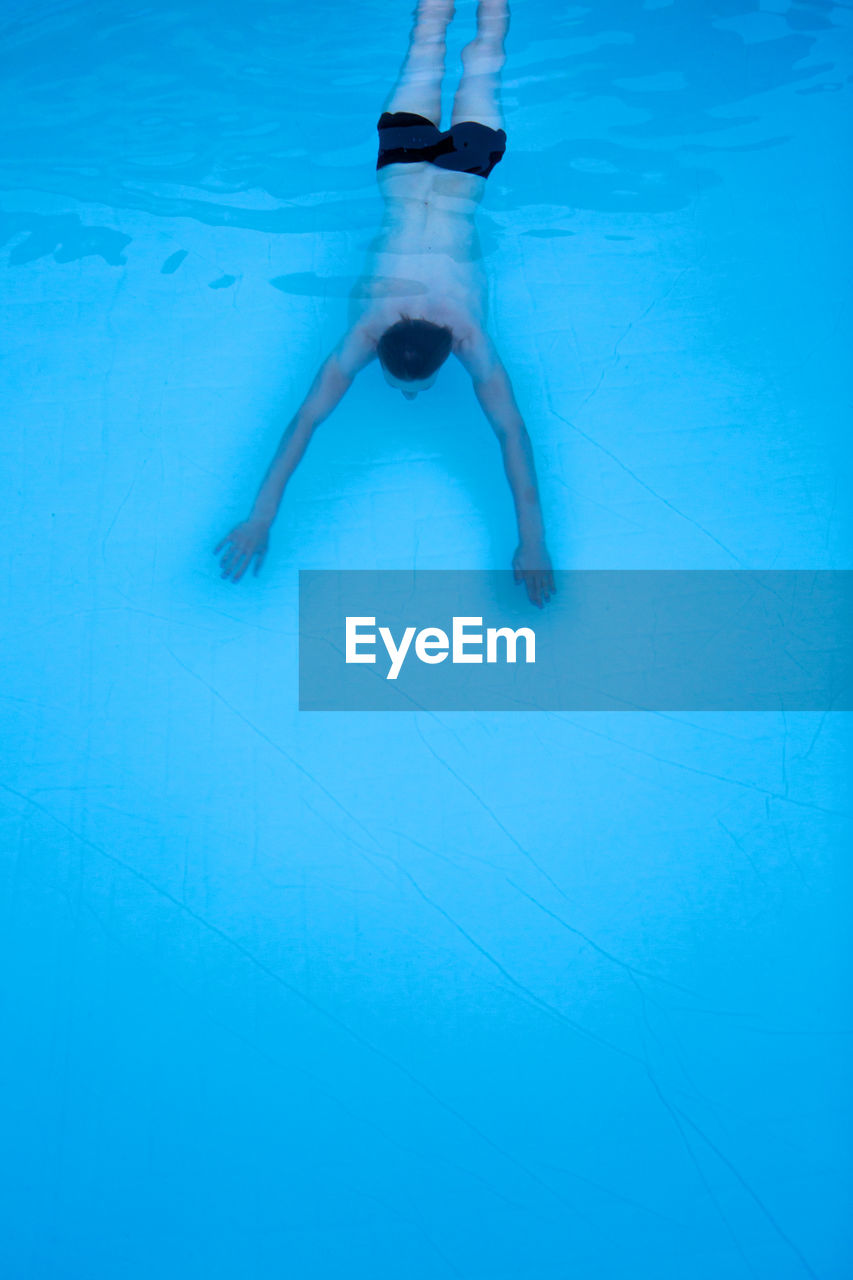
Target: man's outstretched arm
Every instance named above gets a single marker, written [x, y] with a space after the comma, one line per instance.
[531, 562]
[248, 540]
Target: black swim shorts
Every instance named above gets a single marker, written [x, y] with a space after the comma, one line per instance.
[468, 147]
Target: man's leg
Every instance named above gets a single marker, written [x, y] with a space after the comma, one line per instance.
[478, 96]
[418, 87]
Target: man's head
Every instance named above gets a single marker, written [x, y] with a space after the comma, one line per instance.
[411, 353]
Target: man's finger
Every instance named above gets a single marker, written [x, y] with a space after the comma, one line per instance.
[221, 544]
[245, 561]
[230, 559]
[259, 560]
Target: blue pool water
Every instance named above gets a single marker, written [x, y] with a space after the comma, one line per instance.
[502, 997]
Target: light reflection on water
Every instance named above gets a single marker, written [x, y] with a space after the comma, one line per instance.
[243, 115]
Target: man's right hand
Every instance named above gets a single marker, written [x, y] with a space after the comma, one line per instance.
[246, 542]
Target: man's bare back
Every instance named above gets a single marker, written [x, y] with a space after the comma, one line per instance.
[424, 292]
[426, 260]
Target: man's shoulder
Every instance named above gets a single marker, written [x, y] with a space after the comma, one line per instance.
[473, 347]
[357, 347]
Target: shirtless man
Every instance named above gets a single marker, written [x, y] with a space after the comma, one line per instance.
[425, 294]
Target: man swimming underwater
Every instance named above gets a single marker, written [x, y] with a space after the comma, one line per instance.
[425, 294]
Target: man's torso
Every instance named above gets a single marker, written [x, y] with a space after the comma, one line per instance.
[426, 260]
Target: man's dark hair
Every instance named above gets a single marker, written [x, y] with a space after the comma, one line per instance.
[412, 350]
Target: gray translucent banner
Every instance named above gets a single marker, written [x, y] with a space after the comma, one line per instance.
[634, 640]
